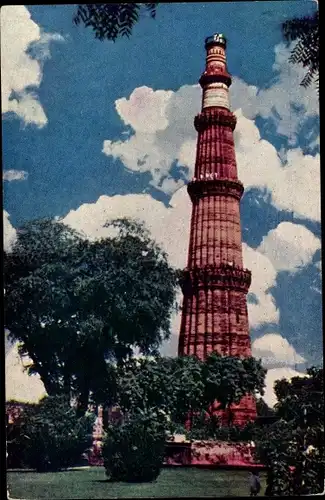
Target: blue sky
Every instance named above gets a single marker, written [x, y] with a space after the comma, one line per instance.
[93, 128]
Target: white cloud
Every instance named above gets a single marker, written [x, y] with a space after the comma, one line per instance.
[9, 233]
[280, 358]
[286, 102]
[275, 351]
[260, 166]
[271, 377]
[289, 246]
[19, 385]
[164, 134]
[145, 110]
[19, 70]
[168, 226]
[14, 175]
[263, 278]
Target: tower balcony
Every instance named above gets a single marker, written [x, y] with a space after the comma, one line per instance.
[225, 276]
[213, 186]
[214, 116]
[214, 76]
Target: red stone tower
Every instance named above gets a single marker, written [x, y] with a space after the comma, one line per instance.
[214, 314]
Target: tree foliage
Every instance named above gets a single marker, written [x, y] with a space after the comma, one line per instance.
[305, 31]
[156, 396]
[76, 305]
[293, 447]
[133, 450]
[262, 409]
[186, 385]
[113, 20]
[52, 436]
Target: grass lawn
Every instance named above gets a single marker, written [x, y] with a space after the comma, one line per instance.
[91, 483]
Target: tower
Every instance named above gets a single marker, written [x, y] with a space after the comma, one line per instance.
[215, 285]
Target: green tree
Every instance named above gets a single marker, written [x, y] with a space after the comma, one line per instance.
[77, 305]
[229, 378]
[133, 449]
[185, 385]
[174, 385]
[52, 436]
[293, 447]
[263, 410]
[305, 31]
[114, 20]
[156, 396]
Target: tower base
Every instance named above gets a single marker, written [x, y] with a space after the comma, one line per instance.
[210, 454]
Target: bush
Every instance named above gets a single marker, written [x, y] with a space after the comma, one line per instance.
[208, 428]
[133, 450]
[52, 436]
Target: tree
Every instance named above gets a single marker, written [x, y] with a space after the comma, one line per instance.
[133, 450]
[77, 305]
[306, 52]
[186, 385]
[262, 409]
[14, 421]
[157, 395]
[52, 436]
[114, 20]
[229, 378]
[293, 447]
[174, 385]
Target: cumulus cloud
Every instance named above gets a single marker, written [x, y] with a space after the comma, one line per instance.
[14, 175]
[20, 71]
[277, 374]
[162, 121]
[289, 246]
[171, 232]
[260, 166]
[275, 351]
[145, 110]
[285, 102]
[9, 233]
[280, 358]
[164, 136]
[262, 309]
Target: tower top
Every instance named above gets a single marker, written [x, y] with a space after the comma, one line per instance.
[215, 80]
[216, 39]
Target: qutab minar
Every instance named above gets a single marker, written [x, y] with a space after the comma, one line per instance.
[215, 285]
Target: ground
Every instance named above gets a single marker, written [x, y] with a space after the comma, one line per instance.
[91, 483]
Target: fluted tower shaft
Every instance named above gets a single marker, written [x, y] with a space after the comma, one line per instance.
[215, 285]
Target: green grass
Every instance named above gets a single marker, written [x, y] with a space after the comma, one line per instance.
[91, 483]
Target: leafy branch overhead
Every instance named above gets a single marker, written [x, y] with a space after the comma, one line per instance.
[306, 52]
[110, 21]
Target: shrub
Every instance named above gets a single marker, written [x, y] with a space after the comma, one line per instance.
[208, 428]
[52, 436]
[133, 450]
